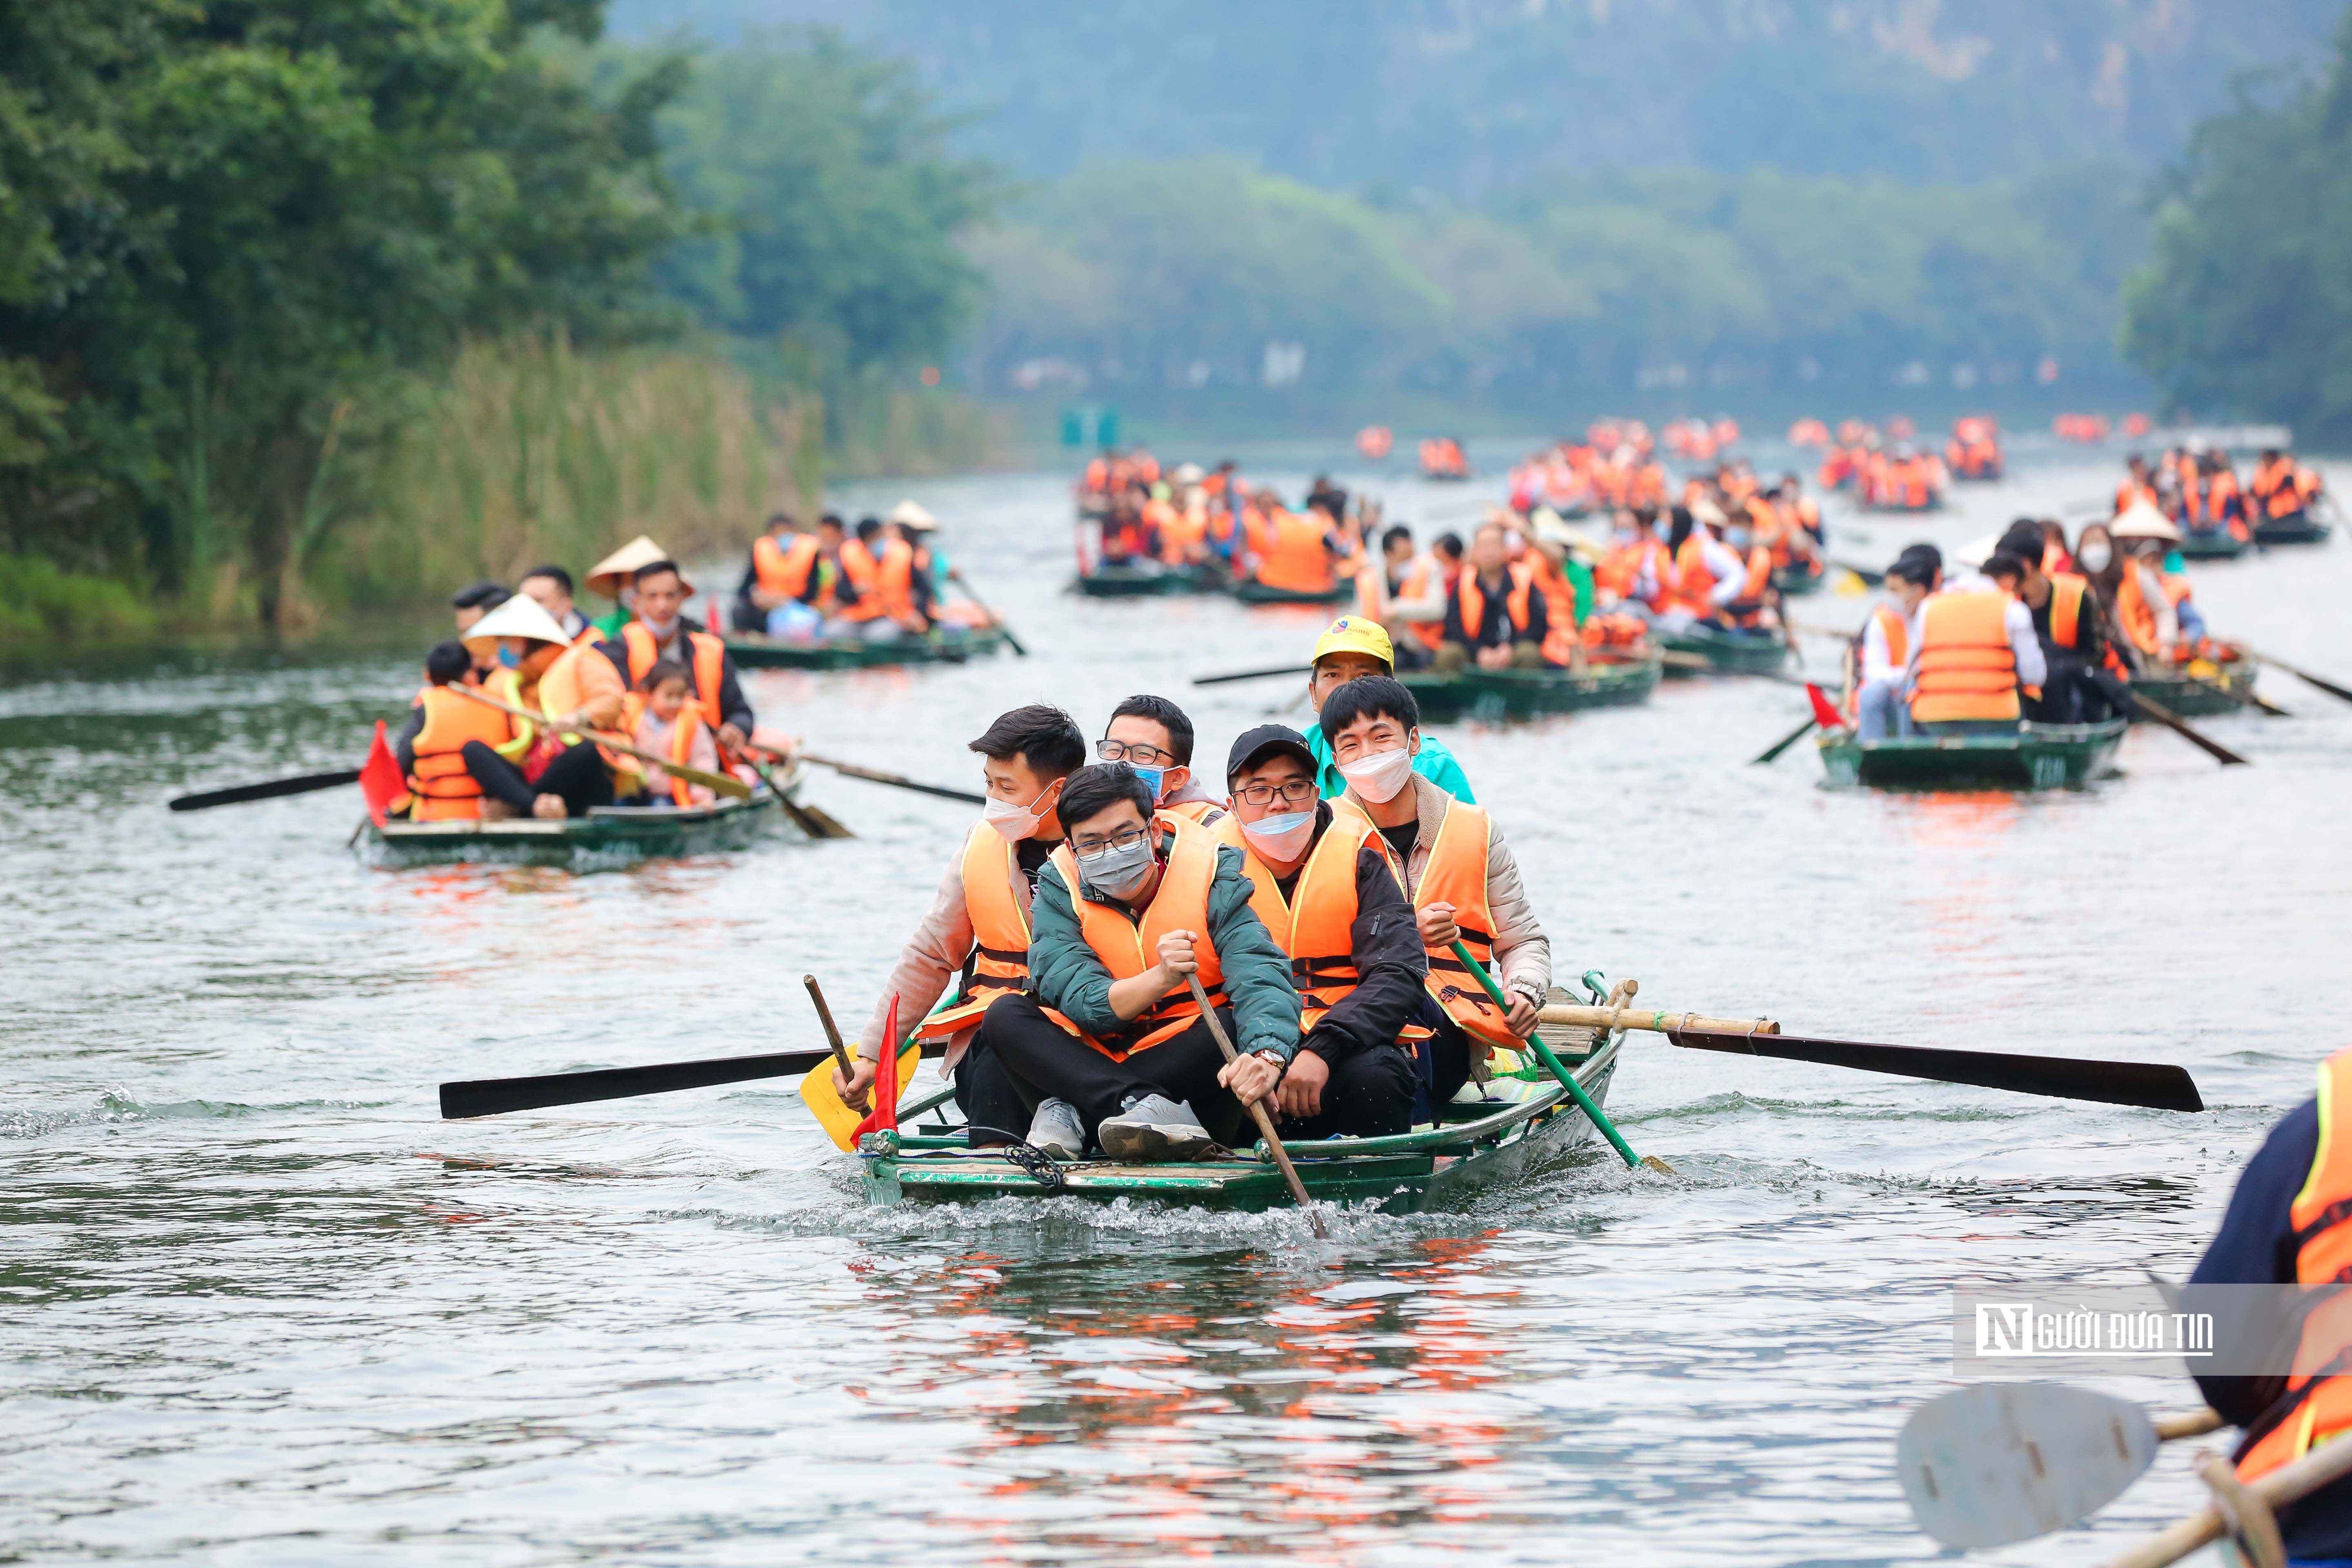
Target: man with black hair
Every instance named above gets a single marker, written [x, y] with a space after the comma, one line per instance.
[1107, 1046]
[1323, 885]
[977, 926]
[1888, 639]
[471, 603]
[1405, 593]
[1495, 618]
[431, 746]
[2066, 620]
[1458, 875]
[1350, 649]
[552, 586]
[658, 628]
[1154, 737]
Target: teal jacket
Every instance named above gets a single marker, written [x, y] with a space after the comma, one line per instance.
[1065, 975]
[1433, 762]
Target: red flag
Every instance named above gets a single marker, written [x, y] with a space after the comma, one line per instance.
[883, 1117]
[1826, 711]
[380, 780]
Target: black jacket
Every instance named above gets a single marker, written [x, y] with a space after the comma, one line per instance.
[1495, 627]
[1390, 960]
[732, 709]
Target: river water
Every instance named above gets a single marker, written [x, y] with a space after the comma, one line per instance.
[263, 1308]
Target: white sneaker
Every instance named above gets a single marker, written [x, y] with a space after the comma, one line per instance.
[1056, 1131]
[1154, 1129]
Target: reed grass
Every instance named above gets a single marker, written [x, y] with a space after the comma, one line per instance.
[40, 601]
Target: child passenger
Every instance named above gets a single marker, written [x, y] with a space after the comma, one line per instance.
[670, 725]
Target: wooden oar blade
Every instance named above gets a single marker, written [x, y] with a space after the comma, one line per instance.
[497, 1096]
[2157, 1086]
[270, 791]
[1996, 1463]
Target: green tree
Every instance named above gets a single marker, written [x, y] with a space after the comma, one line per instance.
[2247, 305]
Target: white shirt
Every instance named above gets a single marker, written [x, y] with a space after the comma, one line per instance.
[1729, 568]
[1877, 659]
[2032, 669]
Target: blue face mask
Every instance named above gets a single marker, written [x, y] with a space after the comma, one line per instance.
[1154, 779]
[1739, 539]
[508, 657]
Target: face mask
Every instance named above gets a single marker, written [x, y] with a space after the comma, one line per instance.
[2095, 556]
[661, 630]
[1016, 822]
[1739, 539]
[1280, 837]
[1154, 779]
[1118, 872]
[509, 659]
[1380, 776]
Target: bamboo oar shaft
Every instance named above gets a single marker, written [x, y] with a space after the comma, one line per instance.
[1257, 1111]
[719, 781]
[2315, 1469]
[1657, 1023]
[1552, 1064]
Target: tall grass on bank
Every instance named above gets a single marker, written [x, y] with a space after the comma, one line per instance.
[38, 601]
[535, 452]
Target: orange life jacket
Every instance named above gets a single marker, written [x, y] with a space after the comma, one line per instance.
[1559, 607]
[1292, 555]
[1128, 947]
[1206, 812]
[1967, 669]
[857, 565]
[1516, 603]
[1897, 635]
[1455, 873]
[2067, 607]
[682, 732]
[783, 569]
[1316, 927]
[444, 790]
[1182, 532]
[2135, 615]
[998, 965]
[708, 659]
[558, 692]
[1695, 580]
[2316, 1405]
[2131, 491]
[1620, 571]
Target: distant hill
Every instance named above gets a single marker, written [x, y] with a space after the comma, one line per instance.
[1462, 98]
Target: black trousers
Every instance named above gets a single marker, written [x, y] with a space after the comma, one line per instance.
[1040, 1060]
[1369, 1095]
[578, 776]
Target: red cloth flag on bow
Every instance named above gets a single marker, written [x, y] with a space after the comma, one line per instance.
[380, 781]
[883, 1117]
[1826, 711]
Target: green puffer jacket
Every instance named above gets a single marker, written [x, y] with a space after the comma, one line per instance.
[1065, 975]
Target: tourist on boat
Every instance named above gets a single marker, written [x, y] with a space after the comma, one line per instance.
[1406, 594]
[1154, 737]
[2154, 607]
[554, 773]
[431, 748]
[2056, 556]
[1107, 1046]
[2286, 1226]
[1323, 886]
[1976, 650]
[552, 586]
[1352, 648]
[1636, 575]
[660, 628]
[1710, 578]
[2067, 621]
[612, 578]
[776, 580]
[2139, 486]
[1287, 551]
[662, 720]
[1496, 619]
[2281, 489]
[928, 569]
[976, 932]
[1883, 664]
[470, 605]
[1459, 876]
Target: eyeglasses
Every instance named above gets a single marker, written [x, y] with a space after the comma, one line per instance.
[1124, 839]
[1122, 751]
[1297, 792]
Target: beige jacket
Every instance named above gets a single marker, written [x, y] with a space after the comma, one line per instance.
[1522, 950]
[932, 960]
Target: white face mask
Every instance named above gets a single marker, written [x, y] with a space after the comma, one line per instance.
[2095, 556]
[1016, 822]
[662, 630]
[1380, 776]
[1282, 837]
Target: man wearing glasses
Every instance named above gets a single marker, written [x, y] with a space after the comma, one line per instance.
[1322, 884]
[1107, 1045]
[1154, 737]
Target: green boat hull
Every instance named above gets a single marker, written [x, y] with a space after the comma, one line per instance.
[1492, 695]
[1250, 592]
[1129, 583]
[751, 652]
[615, 835]
[2039, 756]
[2300, 529]
[2223, 693]
[1443, 1167]
[2217, 546]
[1729, 651]
[1797, 584]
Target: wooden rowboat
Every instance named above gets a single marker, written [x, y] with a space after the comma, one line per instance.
[2230, 687]
[1250, 592]
[2039, 756]
[1525, 1125]
[1736, 650]
[2211, 545]
[1492, 695]
[753, 651]
[1148, 579]
[1796, 582]
[2297, 527]
[607, 835]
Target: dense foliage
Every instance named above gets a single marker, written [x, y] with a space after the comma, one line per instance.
[2247, 307]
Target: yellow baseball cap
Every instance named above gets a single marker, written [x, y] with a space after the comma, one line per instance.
[1354, 634]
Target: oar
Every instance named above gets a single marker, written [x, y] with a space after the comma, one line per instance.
[1557, 1069]
[733, 787]
[832, 1030]
[814, 824]
[2328, 1463]
[897, 781]
[270, 791]
[957, 577]
[2329, 687]
[1257, 1113]
[1997, 1463]
[2222, 688]
[1871, 579]
[1773, 751]
[1252, 675]
[2180, 726]
[493, 1095]
[2153, 1085]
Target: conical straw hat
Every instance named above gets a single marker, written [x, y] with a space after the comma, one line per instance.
[606, 577]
